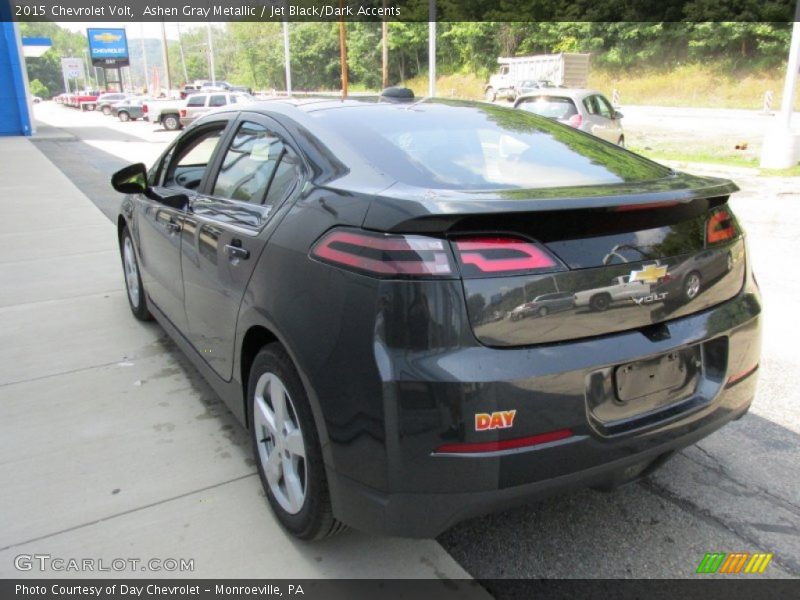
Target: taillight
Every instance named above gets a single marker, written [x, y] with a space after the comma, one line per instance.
[720, 227]
[575, 121]
[501, 255]
[385, 255]
[144, 108]
[183, 112]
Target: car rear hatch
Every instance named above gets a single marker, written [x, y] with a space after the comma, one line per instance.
[625, 257]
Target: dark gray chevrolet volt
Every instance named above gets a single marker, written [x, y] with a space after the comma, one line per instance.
[344, 274]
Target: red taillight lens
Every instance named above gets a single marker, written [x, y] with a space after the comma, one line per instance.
[144, 108]
[385, 255]
[183, 112]
[481, 256]
[523, 442]
[720, 227]
[734, 379]
[575, 121]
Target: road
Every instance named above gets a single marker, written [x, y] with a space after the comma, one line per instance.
[736, 490]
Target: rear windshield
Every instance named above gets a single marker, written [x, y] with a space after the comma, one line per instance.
[450, 145]
[552, 107]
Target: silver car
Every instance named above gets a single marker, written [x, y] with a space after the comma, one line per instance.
[587, 110]
[201, 103]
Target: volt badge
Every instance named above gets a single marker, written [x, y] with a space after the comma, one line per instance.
[503, 419]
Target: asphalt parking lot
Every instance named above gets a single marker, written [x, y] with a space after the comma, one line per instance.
[118, 446]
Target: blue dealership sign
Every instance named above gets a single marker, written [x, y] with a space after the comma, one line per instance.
[108, 47]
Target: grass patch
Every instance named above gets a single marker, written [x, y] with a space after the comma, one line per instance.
[465, 86]
[707, 85]
[715, 159]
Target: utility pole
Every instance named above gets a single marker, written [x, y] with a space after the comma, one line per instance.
[343, 52]
[144, 58]
[183, 58]
[432, 48]
[385, 53]
[287, 59]
[780, 149]
[165, 53]
[211, 56]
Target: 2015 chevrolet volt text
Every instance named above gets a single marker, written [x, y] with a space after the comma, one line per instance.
[428, 310]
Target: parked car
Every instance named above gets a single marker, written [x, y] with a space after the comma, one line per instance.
[201, 103]
[543, 305]
[587, 110]
[333, 269]
[130, 109]
[104, 101]
[530, 85]
[188, 90]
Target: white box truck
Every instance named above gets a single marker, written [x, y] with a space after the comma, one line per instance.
[565, 69]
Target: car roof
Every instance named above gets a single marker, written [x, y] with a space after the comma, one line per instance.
[573, 93]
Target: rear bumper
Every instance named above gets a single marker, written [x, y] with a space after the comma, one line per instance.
[430, 398]
[426, 515]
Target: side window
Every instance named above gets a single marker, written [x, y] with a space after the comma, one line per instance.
[248, 165]
[604, 108]
[287, 177]
[217, 100]
[191, 157]
[590, 104]
[232, 99]
[196, 100]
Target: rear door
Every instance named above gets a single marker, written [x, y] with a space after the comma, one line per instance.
[227, 230]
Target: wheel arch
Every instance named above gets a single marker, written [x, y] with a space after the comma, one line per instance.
[257, 334]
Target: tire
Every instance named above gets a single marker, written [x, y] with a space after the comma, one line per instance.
[123, 116]
[137, 298]
[600, 302]
[691, 285]
[621, 141]
[490, 95]
[106, 110]
[543, 311]
[296, 487]
[171, 122]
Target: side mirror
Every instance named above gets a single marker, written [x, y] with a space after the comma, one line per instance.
[618, 115]
[130, 180]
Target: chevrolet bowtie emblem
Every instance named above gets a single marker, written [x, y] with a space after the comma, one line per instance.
[649, 274]
[107, 37]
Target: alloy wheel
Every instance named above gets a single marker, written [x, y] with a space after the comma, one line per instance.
[131, 272]
[281, 447]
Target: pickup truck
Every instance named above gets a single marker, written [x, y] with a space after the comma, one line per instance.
[599, 299]
[166, 113]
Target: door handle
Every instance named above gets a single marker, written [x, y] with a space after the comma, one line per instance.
[173, 226]
[237, 251]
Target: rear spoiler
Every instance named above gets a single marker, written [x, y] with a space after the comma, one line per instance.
[406, 208]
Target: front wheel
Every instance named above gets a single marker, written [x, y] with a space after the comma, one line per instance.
[106, 110]
[287, 448]
[171, 122]
[123, 116]
[133, 280]
[600, 302]
[490, 95]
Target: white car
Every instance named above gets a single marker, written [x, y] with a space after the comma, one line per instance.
[587, 110]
